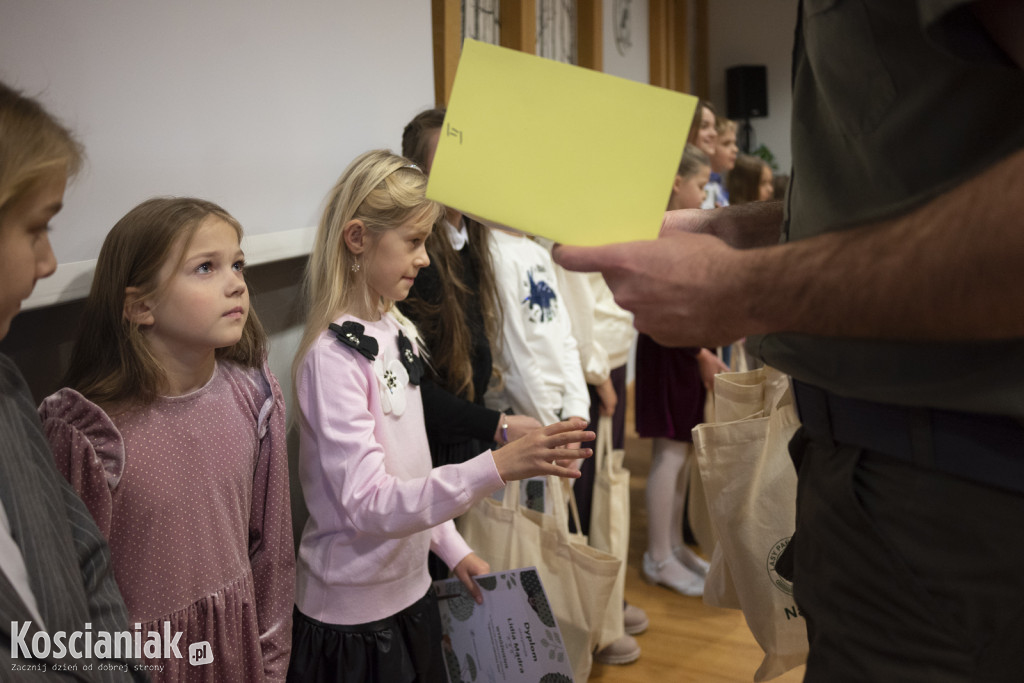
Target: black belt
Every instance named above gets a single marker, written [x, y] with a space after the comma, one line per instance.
[988, 449]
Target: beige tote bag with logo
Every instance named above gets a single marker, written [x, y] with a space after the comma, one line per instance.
[579, 580]
[750, 484]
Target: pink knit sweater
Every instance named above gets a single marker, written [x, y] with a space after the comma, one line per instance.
[376, 505]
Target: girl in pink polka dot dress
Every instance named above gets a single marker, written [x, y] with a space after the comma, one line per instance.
[172, 430]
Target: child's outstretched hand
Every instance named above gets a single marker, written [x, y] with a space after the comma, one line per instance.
[472, 565]
[542, 452]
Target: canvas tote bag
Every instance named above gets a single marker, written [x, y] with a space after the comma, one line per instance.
[751, 488]
[697, 509]
[736, 396]
[696, 499]
[579, 580]
[609, 521]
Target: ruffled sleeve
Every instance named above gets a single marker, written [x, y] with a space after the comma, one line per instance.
[271, 549]
[88, 450]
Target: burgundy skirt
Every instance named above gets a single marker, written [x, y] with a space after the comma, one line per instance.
[669, 393]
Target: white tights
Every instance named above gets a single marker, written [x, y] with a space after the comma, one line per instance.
[666, 495]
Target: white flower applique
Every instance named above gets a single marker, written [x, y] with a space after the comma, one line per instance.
[392, 378]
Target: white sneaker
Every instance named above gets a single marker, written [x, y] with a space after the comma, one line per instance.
[672, 574]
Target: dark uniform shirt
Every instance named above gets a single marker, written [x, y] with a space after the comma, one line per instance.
[895, 103]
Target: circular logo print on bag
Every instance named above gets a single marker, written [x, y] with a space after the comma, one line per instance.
[778, 581]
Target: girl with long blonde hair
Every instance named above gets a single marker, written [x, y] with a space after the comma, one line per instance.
[364, 611]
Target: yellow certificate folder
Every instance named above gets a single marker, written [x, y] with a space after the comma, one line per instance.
[556, 150]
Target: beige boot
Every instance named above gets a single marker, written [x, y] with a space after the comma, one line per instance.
[625, 650]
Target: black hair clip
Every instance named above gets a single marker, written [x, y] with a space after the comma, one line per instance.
[412, 363]
[351, 334]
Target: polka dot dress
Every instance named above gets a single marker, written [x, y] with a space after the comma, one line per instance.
[192, 494]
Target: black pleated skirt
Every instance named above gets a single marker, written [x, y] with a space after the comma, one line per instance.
[403, 648]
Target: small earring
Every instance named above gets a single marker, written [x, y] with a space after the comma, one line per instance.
[355, 265]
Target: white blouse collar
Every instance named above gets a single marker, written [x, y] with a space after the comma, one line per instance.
[457, 235]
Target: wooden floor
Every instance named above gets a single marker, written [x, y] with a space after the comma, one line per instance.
[687, 641]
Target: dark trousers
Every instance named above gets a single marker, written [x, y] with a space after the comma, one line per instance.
[904, 573]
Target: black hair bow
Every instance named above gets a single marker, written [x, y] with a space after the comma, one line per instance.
[351, 334]
[412, 363]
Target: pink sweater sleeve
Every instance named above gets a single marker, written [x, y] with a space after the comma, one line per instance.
[369, 463]
[448, 544]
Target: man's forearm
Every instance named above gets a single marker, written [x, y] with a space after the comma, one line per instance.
[951, 270]
[755, 224]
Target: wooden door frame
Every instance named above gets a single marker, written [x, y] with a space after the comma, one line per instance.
[674, 65]
[518, 31]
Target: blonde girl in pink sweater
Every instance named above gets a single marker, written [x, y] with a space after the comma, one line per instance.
[364, 611]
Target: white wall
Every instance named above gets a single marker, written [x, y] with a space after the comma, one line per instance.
[626, 40]
[255, 105]
[744, 32]
[740, 32]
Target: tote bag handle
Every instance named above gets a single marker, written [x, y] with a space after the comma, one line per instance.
[563, 502]
[603, 449]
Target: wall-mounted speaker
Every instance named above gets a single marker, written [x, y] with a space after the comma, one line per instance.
[746, 92]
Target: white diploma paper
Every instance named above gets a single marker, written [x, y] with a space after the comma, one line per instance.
[512, 636]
